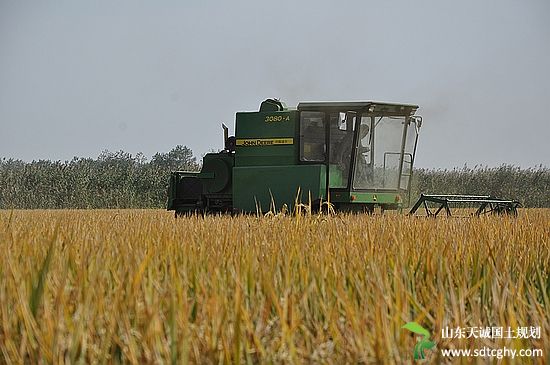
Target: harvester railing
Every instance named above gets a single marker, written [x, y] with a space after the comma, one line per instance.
[483, 204]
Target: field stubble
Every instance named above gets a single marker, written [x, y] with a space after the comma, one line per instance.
[139, 286]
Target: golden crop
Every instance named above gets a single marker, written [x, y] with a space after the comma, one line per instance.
[138, 286]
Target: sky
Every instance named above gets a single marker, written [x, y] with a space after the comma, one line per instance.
[80, 77]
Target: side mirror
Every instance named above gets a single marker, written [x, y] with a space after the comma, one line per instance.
[417, 120]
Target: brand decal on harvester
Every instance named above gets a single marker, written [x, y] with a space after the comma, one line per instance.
[264, 142]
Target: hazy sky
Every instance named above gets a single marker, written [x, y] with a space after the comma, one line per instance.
[79, 77]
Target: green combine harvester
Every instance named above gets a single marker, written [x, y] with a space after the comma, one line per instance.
[355, 155]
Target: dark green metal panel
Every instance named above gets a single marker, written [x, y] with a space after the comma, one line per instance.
[266, 138]
[174, 181]
[216, 173]
[258, 185]
[208, 190]
[385, 198]
[336, 179]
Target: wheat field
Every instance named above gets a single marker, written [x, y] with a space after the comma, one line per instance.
[138, 286]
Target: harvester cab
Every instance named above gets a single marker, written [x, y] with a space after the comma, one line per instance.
[354, 155]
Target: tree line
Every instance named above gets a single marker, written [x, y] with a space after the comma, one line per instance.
[113, 180]
[122, 180]
[530, 186]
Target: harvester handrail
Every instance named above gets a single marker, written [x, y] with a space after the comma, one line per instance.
[480, 201]
[457, 196]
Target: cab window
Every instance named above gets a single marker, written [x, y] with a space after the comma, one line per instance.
[312, 136]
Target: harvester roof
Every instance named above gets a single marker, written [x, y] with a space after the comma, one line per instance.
[373, 107]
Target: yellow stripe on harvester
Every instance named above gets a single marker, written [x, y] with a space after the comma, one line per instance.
[254, 142]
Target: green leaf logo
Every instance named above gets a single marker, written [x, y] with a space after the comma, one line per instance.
[424, 343]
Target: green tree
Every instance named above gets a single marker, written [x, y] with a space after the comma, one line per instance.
[179, 158]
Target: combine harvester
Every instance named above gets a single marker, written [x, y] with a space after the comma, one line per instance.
[351, 156]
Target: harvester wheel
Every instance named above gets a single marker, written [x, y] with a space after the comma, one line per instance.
[187, 213]
[506, 210]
